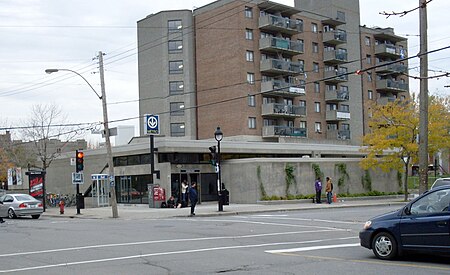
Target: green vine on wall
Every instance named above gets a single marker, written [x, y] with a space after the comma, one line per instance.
[261, 185]
[367, 180]
[290, 178]
[317, 172]
[342, 169]
[399, 178]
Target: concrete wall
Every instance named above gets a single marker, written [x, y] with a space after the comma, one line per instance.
[244, 185]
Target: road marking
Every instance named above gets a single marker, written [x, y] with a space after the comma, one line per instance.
[310, 220]
[160, 254]
[161, 241]
[310, 248]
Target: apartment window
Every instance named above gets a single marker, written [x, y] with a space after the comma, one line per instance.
[317, 127]
[302, 125]
[249, 56]
[316, 67]
[174, 25]
[368, 59]
[370, 94]
[367, 40]
[250, 78]
[177, 108]
[317, 107]
[252, 122]
[341, 15]
[369, 76]
[314, 28]
[302, 103]
[176, 87]
[176, 67]
[345, 108]
[345, 126]
[316, 87]
[248, 12]
[249, 34]
[315, 47]
[251, 101]
[177, 130]
[175, 46]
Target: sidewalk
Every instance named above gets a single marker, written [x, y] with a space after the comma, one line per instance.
[133, 212]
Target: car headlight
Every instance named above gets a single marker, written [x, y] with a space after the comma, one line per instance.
[367, 225]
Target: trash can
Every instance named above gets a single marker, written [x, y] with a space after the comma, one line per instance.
[225, 197]
[80, 201]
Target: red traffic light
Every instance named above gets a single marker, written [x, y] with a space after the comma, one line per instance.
[80, 155]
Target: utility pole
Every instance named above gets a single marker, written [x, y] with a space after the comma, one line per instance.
[423, 99]
[113, 199]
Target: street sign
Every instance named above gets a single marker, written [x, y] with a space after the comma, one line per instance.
[77, 178]
[152, 124]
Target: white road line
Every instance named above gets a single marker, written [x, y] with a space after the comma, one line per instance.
[159, 254]
[160, 241]
[310, 220]
[301, 249]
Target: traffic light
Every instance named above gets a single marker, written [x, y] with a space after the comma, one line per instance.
[213, 155]
[79, 161]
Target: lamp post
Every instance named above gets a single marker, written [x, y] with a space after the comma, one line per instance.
[218, 135]
[113, 200]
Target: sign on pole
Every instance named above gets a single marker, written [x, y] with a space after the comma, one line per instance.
[77, 178]
[151, 124]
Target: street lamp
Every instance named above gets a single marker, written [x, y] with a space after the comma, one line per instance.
[218, 135]
[115, 213]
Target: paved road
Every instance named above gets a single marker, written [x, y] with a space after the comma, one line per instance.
[318, 241]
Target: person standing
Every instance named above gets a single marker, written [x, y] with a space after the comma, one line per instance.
[193, 197]
[184, 187]
[318, 186]
[329, 189]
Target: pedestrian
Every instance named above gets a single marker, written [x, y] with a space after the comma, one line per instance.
[1, 218]
[193, 197]
[184, 187]
[318, 186]
[171, 202]
[329, 190]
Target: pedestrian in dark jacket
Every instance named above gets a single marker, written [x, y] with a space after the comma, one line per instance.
[318, 186]
[193, 197]
[1, 218]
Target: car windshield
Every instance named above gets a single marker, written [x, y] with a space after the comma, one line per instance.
[432, 203]
[24, 198]
[441, 182]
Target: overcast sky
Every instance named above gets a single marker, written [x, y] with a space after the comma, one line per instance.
[40, 34]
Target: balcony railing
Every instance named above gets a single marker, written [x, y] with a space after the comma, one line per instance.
[338, 134]
[391, 85]
[335, 37]
[281, 67]
[336, 115]
[336, 76]
[280, 24]
[336, 95]
[283, 110]
[384, 100]
[394, 68]
[389, 50]
[282, 88]
[277, 131]
[335, 56]
[274, 44]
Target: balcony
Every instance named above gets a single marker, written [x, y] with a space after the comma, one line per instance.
[336, 21]
[276, 45]
[390, 85]
[395, 68]
[282, 110]
[281, 67]
[384, 100]
[277, 131]
[336, 115]
[335, 56]
[334, 76]
[336, 95]
[274, 23]
[335, 37]
[281, 88]
[338, 134]
[391, 51]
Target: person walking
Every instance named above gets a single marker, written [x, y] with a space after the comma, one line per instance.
[193, 197]
[1, 218]
[318, 186]
[329, 189]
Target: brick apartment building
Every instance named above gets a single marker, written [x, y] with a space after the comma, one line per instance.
[264, 71]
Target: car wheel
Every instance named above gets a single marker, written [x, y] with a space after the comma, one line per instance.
[11, 214]
[384, 246]
[35, 216]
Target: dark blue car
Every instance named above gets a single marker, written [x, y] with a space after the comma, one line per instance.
[423, 226]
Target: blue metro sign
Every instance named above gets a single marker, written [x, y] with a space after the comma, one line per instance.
[151, 124]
